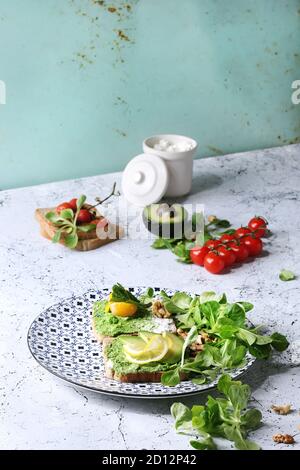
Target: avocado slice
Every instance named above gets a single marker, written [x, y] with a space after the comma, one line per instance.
[146, 335]
[175, 345]
[164, 220]
[132, 339]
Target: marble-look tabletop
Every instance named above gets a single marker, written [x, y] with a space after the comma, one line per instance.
[38, 411]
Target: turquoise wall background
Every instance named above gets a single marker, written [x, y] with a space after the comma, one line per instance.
[88, 80]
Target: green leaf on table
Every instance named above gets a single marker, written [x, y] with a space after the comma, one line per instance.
[227, 416]
[182, 251]
[159, 244]
[182, 415]
[223, 223]
[260, 352]
[287, 275]
[239, 395]
[230, 231]
[234, 434]
[225, 382]
[251, 419]
[279, 342]
[247, 306]
[204, 444]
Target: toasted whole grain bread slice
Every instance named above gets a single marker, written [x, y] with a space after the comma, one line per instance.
[87, 240]
[131, 377]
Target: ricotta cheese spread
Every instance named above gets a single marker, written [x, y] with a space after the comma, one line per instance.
[167, 146]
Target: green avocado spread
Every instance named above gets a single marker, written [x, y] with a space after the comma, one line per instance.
[107, 324]
[114, 353]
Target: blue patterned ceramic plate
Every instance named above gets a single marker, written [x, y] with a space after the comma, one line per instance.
[61, 340]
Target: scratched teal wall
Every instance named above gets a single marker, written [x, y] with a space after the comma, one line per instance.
[87, 80]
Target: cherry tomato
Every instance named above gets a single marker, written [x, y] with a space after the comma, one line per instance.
[73, 204]
[198, 254]
[240, 251]
[63, 206]
[253, 245]
[213, 263]
[227, 238]
[211, 244]
[258, 226]
[84, 217]
[242, 232]
[227, 255]
[95, 221]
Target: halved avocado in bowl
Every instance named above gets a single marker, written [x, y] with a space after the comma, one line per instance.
[164, 220]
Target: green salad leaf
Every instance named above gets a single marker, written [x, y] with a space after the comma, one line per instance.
[227, 417]
[171, 378]
[286, 275]
[148, 296]
[228, 337]
[120, 294]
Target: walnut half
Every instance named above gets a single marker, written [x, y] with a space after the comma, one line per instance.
[281, 409]
[159, 310]
[283, 439]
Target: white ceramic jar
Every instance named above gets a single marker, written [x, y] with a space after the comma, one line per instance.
[179, 163]
[164, 169]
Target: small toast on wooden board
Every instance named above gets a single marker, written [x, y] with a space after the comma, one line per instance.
[87, 240]
[136, 377]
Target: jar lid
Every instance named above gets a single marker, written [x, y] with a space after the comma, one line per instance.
[145, 179]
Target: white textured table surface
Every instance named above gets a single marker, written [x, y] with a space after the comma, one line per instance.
[40, 412]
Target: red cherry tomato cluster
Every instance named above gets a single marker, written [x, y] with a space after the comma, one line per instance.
[84, 215]
[245, 242]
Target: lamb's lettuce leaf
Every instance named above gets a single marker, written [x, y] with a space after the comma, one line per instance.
[227, 416]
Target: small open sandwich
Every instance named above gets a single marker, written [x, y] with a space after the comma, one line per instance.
[77, 225]
[137, 345]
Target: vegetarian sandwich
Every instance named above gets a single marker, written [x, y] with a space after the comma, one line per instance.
[171, 338]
